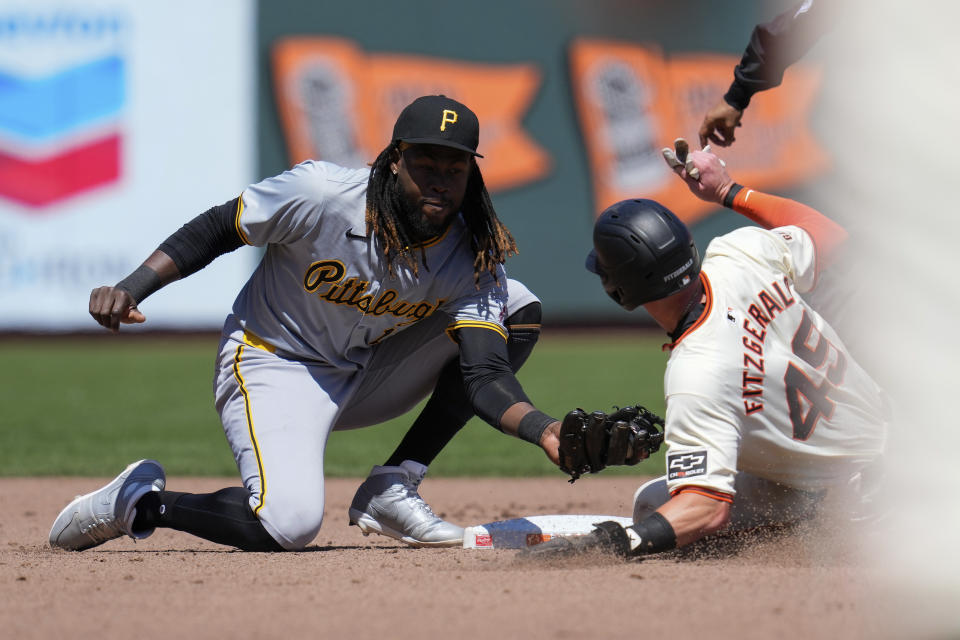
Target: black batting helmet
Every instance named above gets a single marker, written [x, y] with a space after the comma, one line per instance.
[642, 252]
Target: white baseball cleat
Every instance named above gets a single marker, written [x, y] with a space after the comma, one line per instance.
[107, 513]
[388, 503]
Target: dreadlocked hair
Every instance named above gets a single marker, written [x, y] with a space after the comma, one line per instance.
[491, 241]
[383, 212]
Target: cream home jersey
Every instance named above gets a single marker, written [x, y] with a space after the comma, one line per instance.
[322, 290]
[761, 383]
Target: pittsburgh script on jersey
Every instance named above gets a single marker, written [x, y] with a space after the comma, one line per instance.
[762, 311]
[325, 277]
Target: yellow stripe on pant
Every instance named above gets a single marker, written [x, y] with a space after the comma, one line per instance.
[253, 433]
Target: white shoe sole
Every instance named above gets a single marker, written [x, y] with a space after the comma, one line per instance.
[368, 525]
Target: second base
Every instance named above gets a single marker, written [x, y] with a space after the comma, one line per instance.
[518, 533]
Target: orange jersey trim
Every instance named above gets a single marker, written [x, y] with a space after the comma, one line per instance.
[708, 292]
[704, 491]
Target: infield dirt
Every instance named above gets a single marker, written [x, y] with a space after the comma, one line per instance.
[345, 585]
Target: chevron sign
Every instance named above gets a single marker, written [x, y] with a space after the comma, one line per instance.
[62, 95]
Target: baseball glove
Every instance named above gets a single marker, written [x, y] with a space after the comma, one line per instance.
[591, 442]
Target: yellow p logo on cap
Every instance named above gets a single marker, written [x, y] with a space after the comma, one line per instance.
[448, 117]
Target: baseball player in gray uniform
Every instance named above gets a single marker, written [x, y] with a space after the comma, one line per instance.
[377, 286]
[766, 410]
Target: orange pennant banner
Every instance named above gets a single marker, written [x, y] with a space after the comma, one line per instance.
[632, 102]
[338, 103]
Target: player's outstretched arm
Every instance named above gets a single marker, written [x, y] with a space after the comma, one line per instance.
[706, 176]
[192, 247]
[685, 518]
[693, 515]
[703, 171]
[773, 47]
[116, 305]
[496, 394]
[549, 440]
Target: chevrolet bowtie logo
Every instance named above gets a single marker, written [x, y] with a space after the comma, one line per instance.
[686, 462]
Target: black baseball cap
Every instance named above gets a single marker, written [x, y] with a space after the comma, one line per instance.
[438, 120]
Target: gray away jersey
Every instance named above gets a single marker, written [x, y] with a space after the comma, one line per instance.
[322, 290]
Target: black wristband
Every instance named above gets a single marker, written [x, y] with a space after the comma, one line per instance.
[533, 425]
[731, 194]
[655, 533]
[140, 283]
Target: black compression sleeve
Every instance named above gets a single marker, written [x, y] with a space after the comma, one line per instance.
[209, 235]
[773, 47]
[491, 385]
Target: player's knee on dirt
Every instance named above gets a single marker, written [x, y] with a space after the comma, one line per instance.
[524, 331]
[293, 523]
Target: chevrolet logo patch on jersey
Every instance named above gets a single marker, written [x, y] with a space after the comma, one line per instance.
[686, 464]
